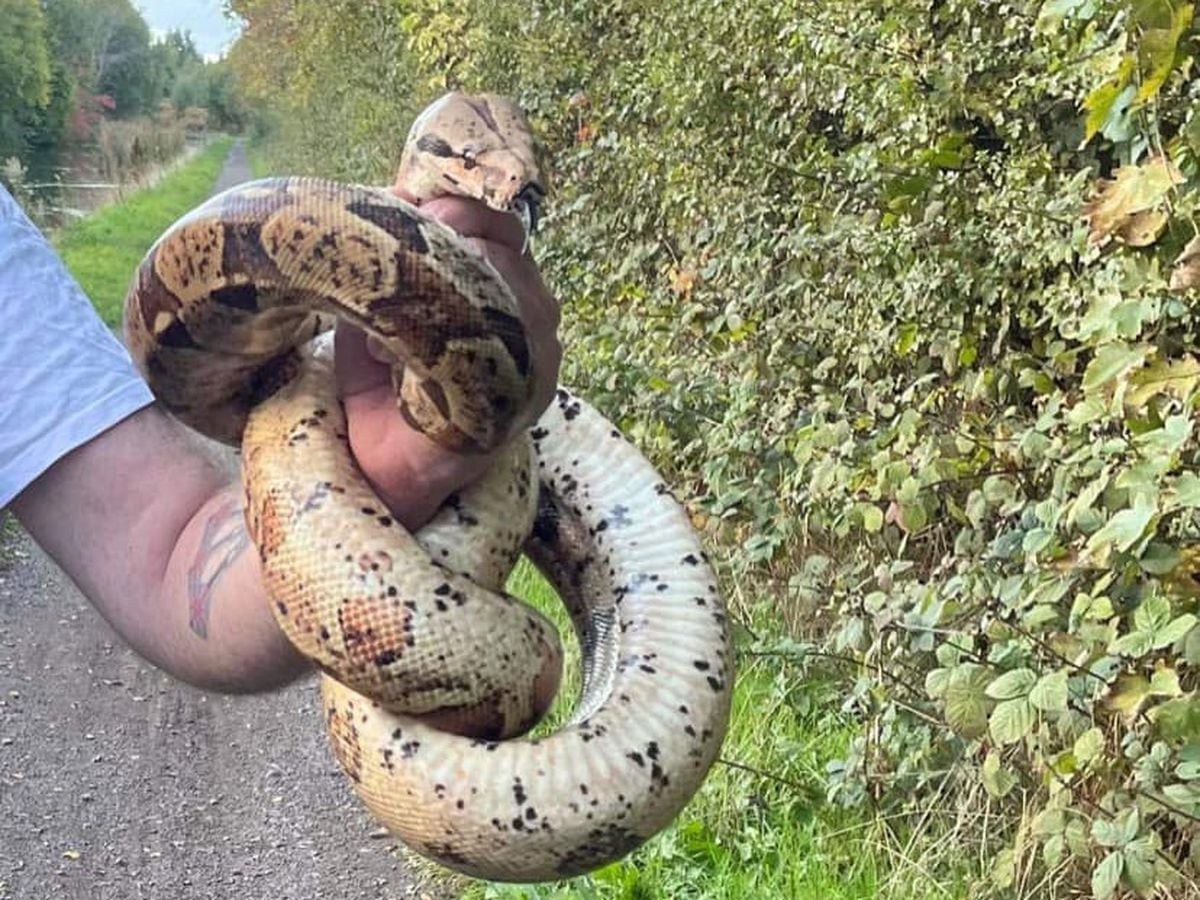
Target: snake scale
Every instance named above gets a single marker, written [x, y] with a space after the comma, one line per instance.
[229, 318]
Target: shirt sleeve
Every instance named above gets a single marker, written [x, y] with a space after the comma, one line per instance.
[65, 376]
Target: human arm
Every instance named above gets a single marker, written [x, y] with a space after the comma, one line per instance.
[150, 528]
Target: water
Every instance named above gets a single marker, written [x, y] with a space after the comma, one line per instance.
[58, 188]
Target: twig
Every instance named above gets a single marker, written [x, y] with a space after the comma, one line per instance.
[794, 785]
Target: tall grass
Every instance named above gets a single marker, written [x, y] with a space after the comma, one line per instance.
[103, 250]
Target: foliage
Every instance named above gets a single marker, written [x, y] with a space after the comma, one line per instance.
[104, 250]
[68, 67]
[901, 295]
[24, 70]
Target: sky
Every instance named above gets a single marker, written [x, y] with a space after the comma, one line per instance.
[212, 32]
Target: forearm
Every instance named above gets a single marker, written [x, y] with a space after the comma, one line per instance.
[151, 532]
[217, 622]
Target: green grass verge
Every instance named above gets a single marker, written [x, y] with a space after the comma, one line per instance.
[746, 834]
[258, 156]
[104, 250]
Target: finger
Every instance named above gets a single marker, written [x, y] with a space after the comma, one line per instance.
[472, 219]
[357, 370]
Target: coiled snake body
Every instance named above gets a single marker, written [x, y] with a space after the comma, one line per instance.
[228, 318]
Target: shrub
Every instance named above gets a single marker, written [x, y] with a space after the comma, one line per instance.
[901, 296]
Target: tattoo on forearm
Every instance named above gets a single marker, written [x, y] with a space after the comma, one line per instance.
[223, 541]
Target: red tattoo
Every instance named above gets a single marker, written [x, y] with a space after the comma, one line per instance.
[224, 539]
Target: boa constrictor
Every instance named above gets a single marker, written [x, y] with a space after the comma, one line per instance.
[228, 318]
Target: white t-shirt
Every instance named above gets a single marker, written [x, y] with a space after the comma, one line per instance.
[64, 377]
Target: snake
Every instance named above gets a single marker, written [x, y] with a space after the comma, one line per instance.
[431, 674]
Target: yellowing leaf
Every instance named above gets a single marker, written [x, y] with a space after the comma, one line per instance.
[1177, 377]
[1185, 274]
[1128, 695]
[1158, 46]
[1133, 190]
[1142, 229]
[682, 281]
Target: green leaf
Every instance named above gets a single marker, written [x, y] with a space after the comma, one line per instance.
[1124, 528]
[1010, 685]
[1110, 363]
[1159, 559]
[1114, 832]
[1011, 720]
[872, 517]
[1178, 721]
[936, 682]
[1165, 682]
[1187, 490]
[1174, 630]
[1106, 875]
[1158, 47]
[966, 701]
[1088, 746]
[1152, 613]
[1050, 692]
[1139, 858]
[997, 781]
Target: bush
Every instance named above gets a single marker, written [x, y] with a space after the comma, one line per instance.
[901, 296]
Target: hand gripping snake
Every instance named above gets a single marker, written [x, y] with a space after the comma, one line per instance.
[228, 318]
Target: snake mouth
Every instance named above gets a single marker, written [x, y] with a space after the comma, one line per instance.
[527, 205]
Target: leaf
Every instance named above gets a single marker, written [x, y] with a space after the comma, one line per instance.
[912, 517]
[966, 702]
[1165, 682]
[1011, 685]
[1108, 108]
[1173, 631]
[1159, 559]
[1139, 858]
[1111, 362]
[1050, 693]
[1142, 228]
[1128, 693]
[997, 781]
[1011, 720]
[1116, 831]
[1106, 875]
[872, 517]
[1088, 746]
[1159, 46]
[1132, 190]
[1185, 272]
[1124, 528]
[1187, 490]
[936, 682]
[1178, 721]
[1152, 613]
[683, 281]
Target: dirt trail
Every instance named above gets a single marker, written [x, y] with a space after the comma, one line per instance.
[118, 782]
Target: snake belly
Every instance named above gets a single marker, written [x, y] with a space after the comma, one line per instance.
[228, 319]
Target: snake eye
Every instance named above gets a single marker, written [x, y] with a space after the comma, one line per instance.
[468, 157]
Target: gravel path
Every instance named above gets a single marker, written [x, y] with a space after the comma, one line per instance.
[118, 782]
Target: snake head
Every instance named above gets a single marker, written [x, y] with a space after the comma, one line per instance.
[478, 146]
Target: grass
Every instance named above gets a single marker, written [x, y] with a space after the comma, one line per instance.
[104, 250]
[763, 831]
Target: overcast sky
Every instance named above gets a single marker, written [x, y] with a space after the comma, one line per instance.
[212, 32]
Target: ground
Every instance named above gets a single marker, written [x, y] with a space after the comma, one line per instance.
[118, 782]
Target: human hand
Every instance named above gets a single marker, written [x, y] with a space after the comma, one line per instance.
[409, 472]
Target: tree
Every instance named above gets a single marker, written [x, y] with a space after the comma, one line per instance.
[25, 73]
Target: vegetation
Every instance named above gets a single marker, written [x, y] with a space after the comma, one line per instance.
[86, 73]
[901, 295]
[103, 251]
